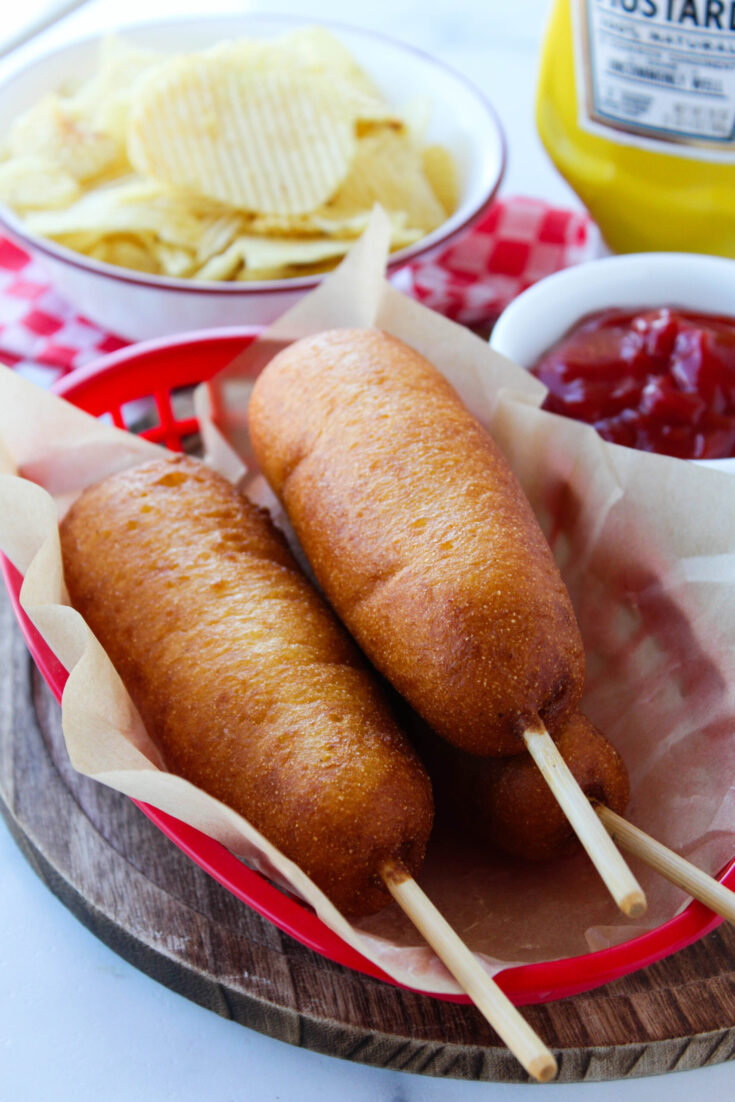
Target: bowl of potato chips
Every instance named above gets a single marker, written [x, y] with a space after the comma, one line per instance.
[207, 172]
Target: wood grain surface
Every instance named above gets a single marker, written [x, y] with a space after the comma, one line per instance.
[132, 888]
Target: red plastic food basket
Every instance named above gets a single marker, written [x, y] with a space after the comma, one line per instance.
[156, 369]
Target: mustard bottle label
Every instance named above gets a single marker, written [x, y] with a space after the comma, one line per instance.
[658, 73]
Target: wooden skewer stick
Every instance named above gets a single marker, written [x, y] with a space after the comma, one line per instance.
[622, 885]
[514, 1030]
[675, 868]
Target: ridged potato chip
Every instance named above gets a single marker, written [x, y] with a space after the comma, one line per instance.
[387, 169]
[276, 142]
[313, 50]
[320, 52]
[33, 182]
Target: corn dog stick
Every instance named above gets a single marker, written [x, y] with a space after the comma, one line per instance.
[523, 1042]
[622, 885]
[673, 867]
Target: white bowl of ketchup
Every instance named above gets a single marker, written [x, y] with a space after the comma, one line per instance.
[604, 331]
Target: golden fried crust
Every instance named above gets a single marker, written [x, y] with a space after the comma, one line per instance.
[420, 536]
[508, 803]
[243, 677]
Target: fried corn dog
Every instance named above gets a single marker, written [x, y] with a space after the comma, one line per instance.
[420, 537]
[507, 804]
[243, 677]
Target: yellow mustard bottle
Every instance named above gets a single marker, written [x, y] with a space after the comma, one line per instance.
[636, 107]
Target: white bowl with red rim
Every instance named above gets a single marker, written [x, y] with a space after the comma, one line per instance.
[543, 314]
[138, 306]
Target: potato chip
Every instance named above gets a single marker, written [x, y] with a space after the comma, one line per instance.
[176, 202]
[264, 252]
[269, 141]
[137, 207]
[327, 221]
[315, 50]
[260, 275]
[441, 172]
[305, 225]
[245, 53]
[173, 260]
[111, 210]
[320, 51]
[387, 169]
[79, 242]
[104, 99]
[34, 182]
[222, 266]
[216, 235]
[125, 252]
[51, 130]
[402, 236]
[416, 117]
[248, 275]
[256, 252]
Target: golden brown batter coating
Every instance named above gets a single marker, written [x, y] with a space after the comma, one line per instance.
[243, 677]
[508, 804]
[420, 536]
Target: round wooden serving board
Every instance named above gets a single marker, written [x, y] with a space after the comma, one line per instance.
[128, 884]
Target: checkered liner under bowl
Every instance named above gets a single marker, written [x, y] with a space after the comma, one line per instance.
[519, 241]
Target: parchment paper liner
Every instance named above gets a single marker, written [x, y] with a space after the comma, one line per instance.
[647, 549]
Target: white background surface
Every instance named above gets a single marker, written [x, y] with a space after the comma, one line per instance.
[76, 1021]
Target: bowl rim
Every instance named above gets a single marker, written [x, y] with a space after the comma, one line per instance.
[12, 224]
[518, 313]
[533, 982]
[522, 312]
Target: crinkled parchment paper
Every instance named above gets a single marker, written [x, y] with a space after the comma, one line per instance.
[647, 548]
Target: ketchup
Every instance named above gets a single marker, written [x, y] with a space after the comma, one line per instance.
[658, 380]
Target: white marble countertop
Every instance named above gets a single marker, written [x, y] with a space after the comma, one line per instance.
[76, 1021]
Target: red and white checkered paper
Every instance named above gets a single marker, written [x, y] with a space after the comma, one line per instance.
[518, 242]
[41, 335]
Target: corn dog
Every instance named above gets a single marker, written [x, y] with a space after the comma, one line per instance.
[242, 676]
[420, 537]
[507, 804]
